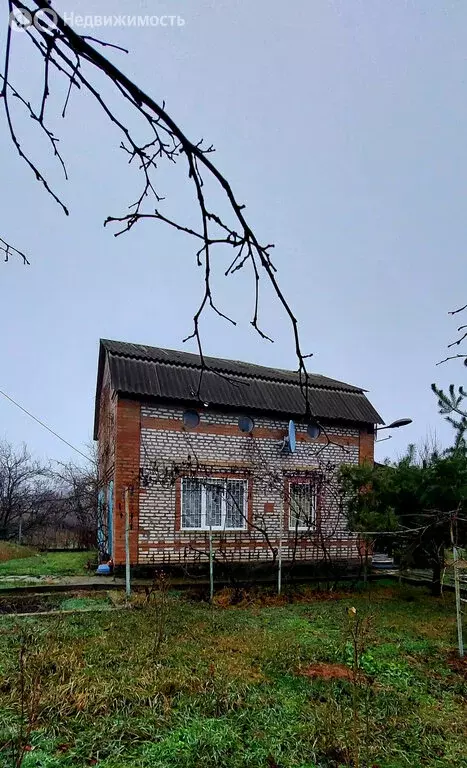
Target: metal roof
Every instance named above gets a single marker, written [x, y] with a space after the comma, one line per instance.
[237, 367]
[167, 374]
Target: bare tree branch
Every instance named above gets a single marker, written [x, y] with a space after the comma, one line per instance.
[9, 250]
[73, 56]
[457, 342]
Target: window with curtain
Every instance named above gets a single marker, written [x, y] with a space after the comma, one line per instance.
[215, 503]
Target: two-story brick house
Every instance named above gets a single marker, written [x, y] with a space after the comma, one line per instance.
[208, 450]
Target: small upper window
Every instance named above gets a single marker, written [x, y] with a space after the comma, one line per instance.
[245, 424]
[190, 419]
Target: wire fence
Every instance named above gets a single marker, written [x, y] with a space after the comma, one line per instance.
[241, 547]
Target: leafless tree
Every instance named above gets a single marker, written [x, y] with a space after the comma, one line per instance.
[46, 505]
[76, 58]
[21, 482]
[78, 489]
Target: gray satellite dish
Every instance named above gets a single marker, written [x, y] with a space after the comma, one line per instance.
[245, 424]
[313, 430]
[190, 419]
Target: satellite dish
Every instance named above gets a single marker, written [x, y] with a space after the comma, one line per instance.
[190, 419]
[313, 430]
[289, 442]
[245, 424]
[292, 438]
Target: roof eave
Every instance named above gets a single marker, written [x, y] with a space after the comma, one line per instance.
[100, 374]
[239, 409]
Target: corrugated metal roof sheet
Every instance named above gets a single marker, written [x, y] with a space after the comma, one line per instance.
[236, 367]
[171, 375]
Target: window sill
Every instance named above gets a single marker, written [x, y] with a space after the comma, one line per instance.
[306, 529]
[214, 530]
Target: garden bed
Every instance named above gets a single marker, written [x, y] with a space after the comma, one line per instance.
[54, 602]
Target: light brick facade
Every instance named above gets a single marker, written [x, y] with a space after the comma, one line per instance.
[148, 449]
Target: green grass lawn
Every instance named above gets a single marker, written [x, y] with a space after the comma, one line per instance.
[45, 564]
[190, 686]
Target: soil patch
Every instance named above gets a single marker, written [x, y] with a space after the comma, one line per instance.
[325, 671]
[229, 597]
[456, 664]
[29, 604]
[73, 600]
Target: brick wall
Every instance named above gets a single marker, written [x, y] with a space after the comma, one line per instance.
[367, 446]
[127, 464]
[217, 445]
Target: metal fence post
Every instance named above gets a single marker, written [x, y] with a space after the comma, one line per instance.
[279, 559]
[460, 638]
[457, 589]
[127, 544]
[211, 568]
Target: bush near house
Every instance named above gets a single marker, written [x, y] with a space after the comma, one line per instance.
[419, 502]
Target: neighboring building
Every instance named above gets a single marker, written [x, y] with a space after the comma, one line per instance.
[208, 450]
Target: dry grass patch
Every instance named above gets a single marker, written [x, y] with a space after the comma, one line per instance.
[11, 551]
[325, 671]
[265, 598]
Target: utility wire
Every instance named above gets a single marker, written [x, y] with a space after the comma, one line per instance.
[44, 425]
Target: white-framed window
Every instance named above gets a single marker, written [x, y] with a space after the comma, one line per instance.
[213, 503]
[302, 505]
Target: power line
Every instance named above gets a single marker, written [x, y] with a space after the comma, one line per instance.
[44, 425]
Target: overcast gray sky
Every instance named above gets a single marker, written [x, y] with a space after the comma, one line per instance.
[341, 125]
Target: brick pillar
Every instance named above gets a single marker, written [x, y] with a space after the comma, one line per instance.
[366, 446]
[127, 463]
